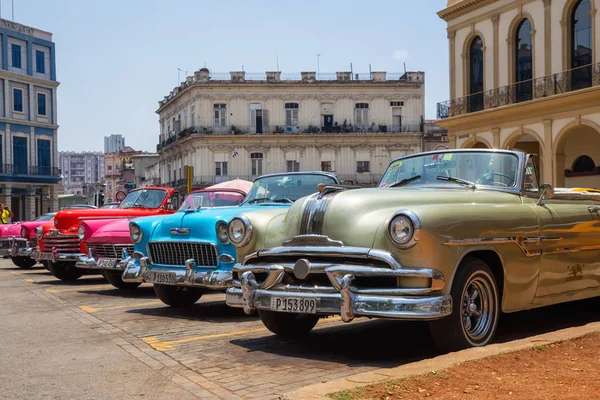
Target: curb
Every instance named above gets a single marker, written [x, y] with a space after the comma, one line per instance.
[445, 361]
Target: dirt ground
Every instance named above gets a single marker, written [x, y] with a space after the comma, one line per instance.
[566, 370]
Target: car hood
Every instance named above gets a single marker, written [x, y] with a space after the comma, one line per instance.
[355, 216]
[67, 218]
[9, 230]
[200, 224]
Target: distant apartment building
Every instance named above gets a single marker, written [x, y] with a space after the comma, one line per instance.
[146, 169]
[244, 125]
[80, 170]
[118, 171]
[29, 172]
[113, 143]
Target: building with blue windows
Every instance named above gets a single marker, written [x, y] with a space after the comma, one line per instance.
[29, 171]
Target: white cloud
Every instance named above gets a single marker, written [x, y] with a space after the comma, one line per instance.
[400, 55]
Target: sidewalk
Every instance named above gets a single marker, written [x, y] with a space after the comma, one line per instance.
[45, 353]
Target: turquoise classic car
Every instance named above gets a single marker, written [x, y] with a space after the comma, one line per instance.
[188, 252]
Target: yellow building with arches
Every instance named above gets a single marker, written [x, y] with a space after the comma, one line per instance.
[525, 74]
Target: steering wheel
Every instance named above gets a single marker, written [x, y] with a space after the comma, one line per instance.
[490, 175]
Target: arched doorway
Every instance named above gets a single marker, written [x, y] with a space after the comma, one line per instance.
[530, 144]
[577, 158]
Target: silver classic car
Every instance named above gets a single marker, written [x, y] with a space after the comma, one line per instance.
[452, 237]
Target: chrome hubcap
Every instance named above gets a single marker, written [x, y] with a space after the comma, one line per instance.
[478, 308]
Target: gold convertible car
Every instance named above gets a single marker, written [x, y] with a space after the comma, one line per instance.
[452, 237]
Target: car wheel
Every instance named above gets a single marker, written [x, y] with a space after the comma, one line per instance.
[65, 271]
[177, 296]
[288, 325]
[115, 278]
[23, 262]
[475, 309]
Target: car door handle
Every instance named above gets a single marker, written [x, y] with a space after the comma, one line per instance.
[594, 209]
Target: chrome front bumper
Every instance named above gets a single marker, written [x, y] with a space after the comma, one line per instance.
[343, 295]
[141, 271]
[16, 247]
[55, 256]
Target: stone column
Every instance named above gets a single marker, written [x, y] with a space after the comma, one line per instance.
[53, 200]
[548, 161]
[5, 197]
[30, 211]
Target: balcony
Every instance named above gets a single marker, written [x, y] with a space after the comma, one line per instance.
[407, 125]
[16, 169]
[524, 91]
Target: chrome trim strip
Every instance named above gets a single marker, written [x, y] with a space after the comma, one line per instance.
[521, 241]
[180, 231]
[313, 214]
[312, 240]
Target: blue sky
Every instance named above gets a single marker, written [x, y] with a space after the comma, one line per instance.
[116, 59]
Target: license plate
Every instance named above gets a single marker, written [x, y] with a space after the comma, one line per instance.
[45, 256]
[169, 278]
[108, 263]
[294, 305]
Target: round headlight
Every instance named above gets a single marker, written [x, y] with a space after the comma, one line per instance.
[81, 233]
[240, 231]
[401, 230]
[222, 233]
[135, 233]
[24, 233]
[39, 232]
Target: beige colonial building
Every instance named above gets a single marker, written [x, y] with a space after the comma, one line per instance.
[245, 126]
[524, 74]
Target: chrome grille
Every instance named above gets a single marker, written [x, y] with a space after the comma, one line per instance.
[176, 253]
[5, 244]
[109, 250]
[63, 243]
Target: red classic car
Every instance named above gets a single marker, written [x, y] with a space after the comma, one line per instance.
[106, 239]
[59, 247]
[18, 240]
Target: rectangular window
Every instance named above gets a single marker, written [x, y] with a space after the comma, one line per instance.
[257, 163]
[18, 100]
[40, 66]
[291, 114]
[363, 166]
[326, 166]
[361, 115]
[396, 103]
[41, 106]
[109, 186]
[110, 167]
[43, 157]
[220, 111]
[293, 166]
[221, 168]
[193, 116]
[19, 155]
[185, 121]
[16, 56]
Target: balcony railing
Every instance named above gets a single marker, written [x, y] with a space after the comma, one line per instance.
[361, 179]
[550, 85]
[408, 125]
[17, 169]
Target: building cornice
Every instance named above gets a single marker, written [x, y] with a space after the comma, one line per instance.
[13, 76]
[462, 8]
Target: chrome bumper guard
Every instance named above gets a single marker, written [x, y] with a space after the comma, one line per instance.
[343, 297]
[141, 271]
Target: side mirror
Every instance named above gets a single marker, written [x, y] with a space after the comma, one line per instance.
[546, 192]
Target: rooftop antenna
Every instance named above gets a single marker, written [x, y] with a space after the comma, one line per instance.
[351, 72]
[405, 68]
[277, 56]
[179, 70]
[370, 73]
[13, 10]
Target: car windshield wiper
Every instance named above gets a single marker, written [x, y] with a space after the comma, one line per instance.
[405, 181]
[283, 200]
[457, 180]
[256, 200]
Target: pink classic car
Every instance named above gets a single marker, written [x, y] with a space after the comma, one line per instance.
[18, 240]
[108, 241]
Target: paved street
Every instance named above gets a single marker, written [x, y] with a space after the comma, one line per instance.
[88, 340]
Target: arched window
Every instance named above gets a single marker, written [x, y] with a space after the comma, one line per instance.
[581, 45]
[584, 164]
[476, 75]
[523, 61]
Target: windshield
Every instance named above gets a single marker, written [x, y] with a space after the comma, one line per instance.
[479, 168]
[198, 200]
[285, 188]
[146, 198]
[45, 217]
